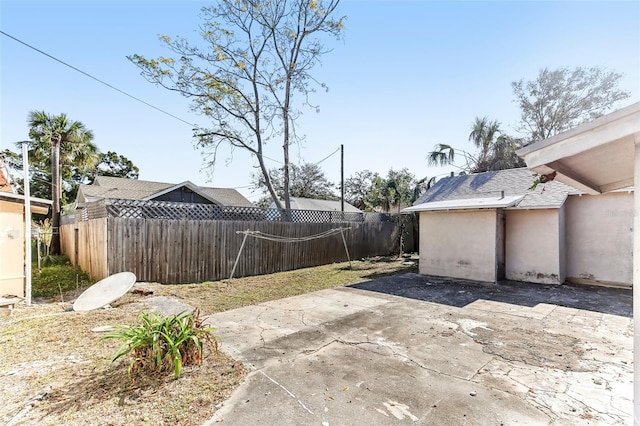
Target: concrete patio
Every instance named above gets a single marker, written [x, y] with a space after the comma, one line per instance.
[412, 349]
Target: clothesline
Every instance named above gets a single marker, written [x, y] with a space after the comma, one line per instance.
[283, 239]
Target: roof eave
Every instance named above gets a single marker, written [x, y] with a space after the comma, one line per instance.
[612, 132]
[473, 204]
[193, 187]
[38, 205]
[621, 119]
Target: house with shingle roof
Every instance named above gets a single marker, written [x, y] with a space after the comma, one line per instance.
[491, 226]
[107, 187]
[301, 203]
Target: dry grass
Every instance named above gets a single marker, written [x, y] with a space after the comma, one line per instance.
[54, 361]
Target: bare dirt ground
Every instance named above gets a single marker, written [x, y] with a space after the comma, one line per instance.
[57, 367]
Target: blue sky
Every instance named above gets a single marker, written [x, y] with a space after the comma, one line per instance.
[407, 75]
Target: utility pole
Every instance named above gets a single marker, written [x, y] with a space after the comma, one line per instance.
[342, 177]
[56, 192]
[27, 224]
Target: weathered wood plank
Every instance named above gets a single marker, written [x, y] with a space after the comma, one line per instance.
[182, 251]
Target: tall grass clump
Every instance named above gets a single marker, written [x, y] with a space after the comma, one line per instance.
[158, 343]
[57, 277]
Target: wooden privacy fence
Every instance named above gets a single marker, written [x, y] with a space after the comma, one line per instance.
[186, 251]
[86, 245]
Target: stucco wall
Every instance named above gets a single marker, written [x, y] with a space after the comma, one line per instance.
[500, 244]
[599, 233]
[459, 244]
[533, 246]
[562, 250]
[11, 249]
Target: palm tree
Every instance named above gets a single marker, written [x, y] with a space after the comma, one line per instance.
[443, 155]
[62, 146]
[497, 151]
[503, 155]
[484, 134]
[396, 190]
[421, 187]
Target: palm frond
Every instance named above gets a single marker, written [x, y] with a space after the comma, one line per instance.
[441, 155]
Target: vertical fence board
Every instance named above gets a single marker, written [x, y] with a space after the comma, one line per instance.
[183, 251]
[92, 246]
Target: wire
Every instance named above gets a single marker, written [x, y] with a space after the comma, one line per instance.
[20, 173]
[327, 156]
[125, 93]
[98, 80]
[118, 90]
[283, 239]
[272, 159]
[15, 168]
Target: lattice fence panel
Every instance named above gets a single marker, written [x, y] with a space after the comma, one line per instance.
[137, 209]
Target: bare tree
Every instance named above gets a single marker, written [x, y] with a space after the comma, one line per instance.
[558, 100]
[255, 55]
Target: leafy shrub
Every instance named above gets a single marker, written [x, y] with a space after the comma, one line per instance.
[160, 343]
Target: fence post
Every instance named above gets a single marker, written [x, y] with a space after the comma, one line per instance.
[345, 248]
[76, 238]
[244, 240]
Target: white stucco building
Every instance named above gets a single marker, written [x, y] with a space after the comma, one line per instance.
[599, 157]
[490, 226]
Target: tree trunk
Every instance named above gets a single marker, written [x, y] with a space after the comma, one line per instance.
[285, 147]
[268, 183]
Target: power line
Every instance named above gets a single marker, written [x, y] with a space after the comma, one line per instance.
[98, 80]
[325, 158]
[127, 94]
[12, 169]
[272, 159]
[115, 88]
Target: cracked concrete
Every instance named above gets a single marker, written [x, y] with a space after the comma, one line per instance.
[411, 349]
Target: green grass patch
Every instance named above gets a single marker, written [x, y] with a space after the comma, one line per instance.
[57, 276]
[217, 296]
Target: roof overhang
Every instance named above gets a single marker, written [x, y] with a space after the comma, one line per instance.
[38, 205]
[536, 207]
[594, 157]
[466, 204]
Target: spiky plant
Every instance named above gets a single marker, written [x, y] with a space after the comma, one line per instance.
[158, 343]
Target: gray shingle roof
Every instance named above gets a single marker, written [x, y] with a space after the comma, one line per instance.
[131, 184]
[299, 203]
[228, 196]
[491, 184]
[321, 205]
[135, 189]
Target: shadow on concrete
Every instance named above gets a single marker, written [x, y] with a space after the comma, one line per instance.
[409, 266]
[459, 293]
